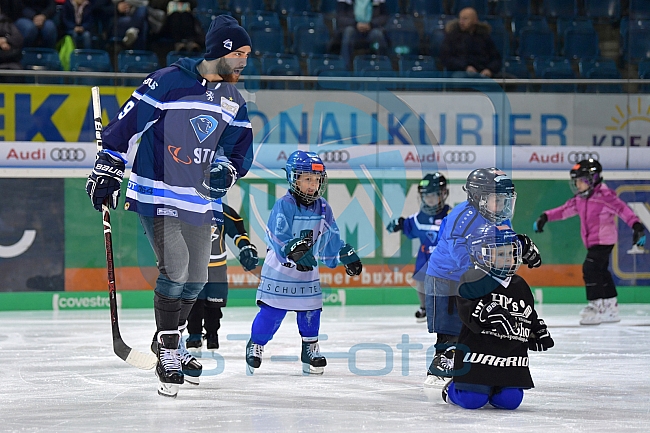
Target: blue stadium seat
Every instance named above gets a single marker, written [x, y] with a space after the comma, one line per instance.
[88, 60]
[535, 22]
[286, 7]
[265, 40]
[639, 9]
[433, 22]
[317, 63]
[644, 74]
[240, 7]
[426, 7]
[285, 70]
[534, 43]
[514, 8]
[638, 45]
[253, 68]
[517, 67]
[371, 62]
[312, 19]
[502, 41]
[41, 59]
[260, 19]
[327, 7]
[554, 68]
[310, 40]
[580, 43]
[416, 63]
[400, 21]
[287, 61]
[205, 17]
[136, 61]
[603, 9]
[481, 6]
[173, 56]
[424, 75]
[346, 84]
[392, 7]
[559, 8]
[402, 41]
[373, 86]
[434, 41]
[600, 68]
[207, 5]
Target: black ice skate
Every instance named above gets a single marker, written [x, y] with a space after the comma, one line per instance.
[192, 369]
[312, 360]
[253, 356]
[212, 341]
[421, 315]
[441, 368]
[168, 368]
[194, 341]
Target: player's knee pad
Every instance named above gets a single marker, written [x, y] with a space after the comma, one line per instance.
[466, 399]
[507, 398]
[266, 324]
[308, 323]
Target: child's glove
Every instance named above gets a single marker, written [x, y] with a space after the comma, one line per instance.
[540, 339]
[299, 251]
[500, 319]
[529, 252]
[248, 257]
[638, 237]
[538, 225]
[350, 260]
[395, 225]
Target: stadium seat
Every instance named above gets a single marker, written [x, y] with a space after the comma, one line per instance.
[317, 63]
[286, 7]
[603, 9]
[310, 40]
[136, 61]
[400, 21]
[287, 61]
[559, 8]
[240, 7]
[416, 63]
[373, 86]
[514, 8]
[87, 60]
[424, 74]
[644, 74]
[260, 19]
[392, 7]
[554, 68]
[639, 9]
[327, 7]
[501, 40]
[207, 5]
[253, 68]
[312, 19]
[372, 62]
[205, 17]
[42, 59]
[481, 6]
[265, 40]
[426, 7]
[345, 84]
[638, 44]
[530, 22]
[600, 69]
[580, 43]
[173, 56]
[402, 41]
[434, 40]
[517, 67]
[535, 42]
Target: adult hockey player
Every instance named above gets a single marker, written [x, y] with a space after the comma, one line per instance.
[424, 225]
[187, 126]
[301, 230]
[206, 312]
[500, 324]
[490, 200]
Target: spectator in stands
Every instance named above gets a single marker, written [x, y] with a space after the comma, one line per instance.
[180, 24]
[36, 25]
[77, 21]
[361, 21]
[11, 43]
[467, 47]
[12, 9]
[131, 15]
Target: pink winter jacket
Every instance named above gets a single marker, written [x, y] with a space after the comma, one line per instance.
[597, 224]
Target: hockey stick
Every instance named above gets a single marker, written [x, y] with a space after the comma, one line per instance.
[137, 359]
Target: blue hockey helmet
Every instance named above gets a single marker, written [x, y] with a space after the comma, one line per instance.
[495, 249]
[492, 192]
[588, 171]
[301, 162]
[433, 193]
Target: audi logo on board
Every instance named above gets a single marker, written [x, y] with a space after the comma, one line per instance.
[575, 157]
[459, 157]
[67, 154]
[340, 156]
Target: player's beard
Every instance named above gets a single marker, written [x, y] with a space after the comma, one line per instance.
[226, 72]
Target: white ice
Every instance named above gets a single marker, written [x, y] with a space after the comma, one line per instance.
[58, 373]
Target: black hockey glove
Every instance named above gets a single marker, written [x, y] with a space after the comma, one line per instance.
[105, 180]
[220, 176]
[299, 251]
[350, 260]
[540, 339]
[638, 237]
[248, 257]
[495, 316]
[538, 225]
[529, 252]
[395, 225]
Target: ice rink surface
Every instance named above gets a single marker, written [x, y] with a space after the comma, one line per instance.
[59, 373]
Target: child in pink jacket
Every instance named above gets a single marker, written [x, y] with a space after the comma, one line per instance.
[596, 205]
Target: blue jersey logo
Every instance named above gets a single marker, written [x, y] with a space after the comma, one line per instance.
[203, 126]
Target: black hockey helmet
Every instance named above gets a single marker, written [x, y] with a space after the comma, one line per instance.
[483, 182]
[496, 249]
[587, 170]
[433, 183]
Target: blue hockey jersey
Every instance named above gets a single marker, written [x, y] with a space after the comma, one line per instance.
[450, 259]
[176, 123]
[424, 227]
[282, 285]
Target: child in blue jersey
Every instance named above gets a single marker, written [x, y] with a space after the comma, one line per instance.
[424, 225]
[301, 230]
[490, 200]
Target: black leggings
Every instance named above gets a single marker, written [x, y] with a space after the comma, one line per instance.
[595, 272]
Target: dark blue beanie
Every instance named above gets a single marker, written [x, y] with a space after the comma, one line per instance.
[224, 36]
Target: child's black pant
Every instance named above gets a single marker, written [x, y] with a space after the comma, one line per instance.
[595, 272]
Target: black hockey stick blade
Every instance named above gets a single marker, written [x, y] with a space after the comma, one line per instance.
[145, 361]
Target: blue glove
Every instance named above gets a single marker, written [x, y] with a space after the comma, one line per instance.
[638, 237]
[299, 251]
[220, 176]
[395, 225]
[350, 260]
[105, 180]
[248, 257]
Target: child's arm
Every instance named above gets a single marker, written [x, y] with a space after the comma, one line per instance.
[628, 216]
[335, 250]
[279, 229]
[563, 212]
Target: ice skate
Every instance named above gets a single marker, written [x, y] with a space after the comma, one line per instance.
[592, 313]
[421, 315]
[192, 369]
[312, 360]
[168, 368]
[212, 341]
[253, 356]
[441, 368]
[609, 312]
[194, 341]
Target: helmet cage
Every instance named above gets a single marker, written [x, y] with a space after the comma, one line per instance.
[490, 254]
[442, 194]
[507, 210]
[294, 174]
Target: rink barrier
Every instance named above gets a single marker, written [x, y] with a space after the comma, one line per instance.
[63, 301]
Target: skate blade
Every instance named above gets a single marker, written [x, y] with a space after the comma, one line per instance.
[249, 370]
[308, 369]
[168, 390]
[422, 320]
[435, 381]
[192, 380]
